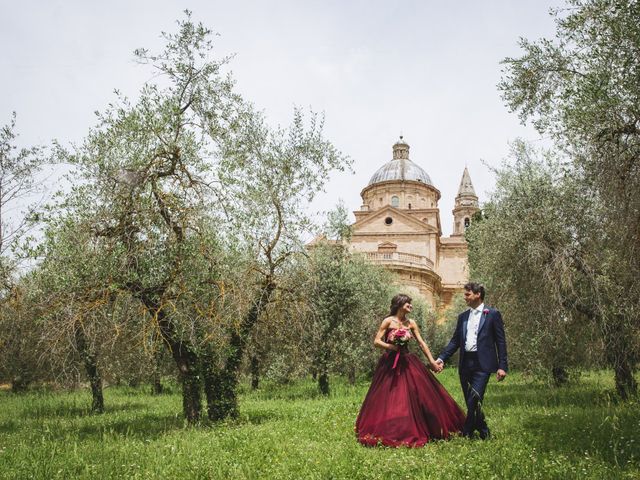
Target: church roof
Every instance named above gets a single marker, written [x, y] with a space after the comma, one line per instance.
[400, 168]
[466, 187]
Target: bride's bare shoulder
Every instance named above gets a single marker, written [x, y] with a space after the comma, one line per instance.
[387, 321]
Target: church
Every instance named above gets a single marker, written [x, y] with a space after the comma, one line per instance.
[398, 226]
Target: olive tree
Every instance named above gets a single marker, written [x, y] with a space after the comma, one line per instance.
[19, 168]
[270, 176]
[533, 272]
[193, 206]
[347, 298]
[582, 90]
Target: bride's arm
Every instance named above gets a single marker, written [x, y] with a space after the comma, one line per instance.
[423, 345]
[379, 342]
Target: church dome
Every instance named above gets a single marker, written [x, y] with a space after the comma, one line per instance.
[400, 168]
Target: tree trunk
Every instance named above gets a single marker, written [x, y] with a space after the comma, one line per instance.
[621, 353]
[186, 360]
[156, 385]
[323, 383]
[351, 375]
[560, 376]
[19, 384]
[191, 387]
[323, 371]
[255, 372]
[156, 379]
[187, 363]
[223, 401]
[90, 361]
[626, 384]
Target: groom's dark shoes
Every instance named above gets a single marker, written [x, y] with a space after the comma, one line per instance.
[485, 434]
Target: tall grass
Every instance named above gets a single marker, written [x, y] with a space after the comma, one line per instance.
[291, 433]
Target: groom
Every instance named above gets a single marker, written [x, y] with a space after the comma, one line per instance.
[483, 349]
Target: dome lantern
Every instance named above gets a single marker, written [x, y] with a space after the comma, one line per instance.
[401, 150]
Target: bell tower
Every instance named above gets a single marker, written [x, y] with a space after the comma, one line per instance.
[466, 205]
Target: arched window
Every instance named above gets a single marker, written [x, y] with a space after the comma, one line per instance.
[467, 222]
[409, 206]
[395, 201]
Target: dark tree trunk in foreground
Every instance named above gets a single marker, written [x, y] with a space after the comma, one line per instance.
[186, 360]
[90, 361]
[223, 401]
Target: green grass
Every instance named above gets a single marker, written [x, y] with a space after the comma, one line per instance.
[290, 432]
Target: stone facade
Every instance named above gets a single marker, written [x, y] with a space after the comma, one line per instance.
[398, 226]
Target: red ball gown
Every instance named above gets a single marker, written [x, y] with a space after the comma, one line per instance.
[406, 405]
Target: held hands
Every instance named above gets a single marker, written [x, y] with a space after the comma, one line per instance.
[500, 374]
[437, 366]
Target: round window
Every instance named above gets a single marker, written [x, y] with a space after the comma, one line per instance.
[388, 220]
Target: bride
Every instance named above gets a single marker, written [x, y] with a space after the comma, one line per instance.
[405, 404]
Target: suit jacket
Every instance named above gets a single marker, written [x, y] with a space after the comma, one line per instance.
[492, 344]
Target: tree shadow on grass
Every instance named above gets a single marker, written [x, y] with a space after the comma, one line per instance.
[576, 420]
[596, 432]
[148, 426]
[301, 391]
[256, 416]
[537, 395]
[9, 426]
[62, 410]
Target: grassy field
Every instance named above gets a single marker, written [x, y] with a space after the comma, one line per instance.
[290, 432]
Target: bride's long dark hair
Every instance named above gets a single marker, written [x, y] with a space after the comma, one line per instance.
[398, 301]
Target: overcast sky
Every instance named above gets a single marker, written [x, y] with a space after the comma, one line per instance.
[377, 69]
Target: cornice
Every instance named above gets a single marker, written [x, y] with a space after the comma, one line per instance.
[401, 184]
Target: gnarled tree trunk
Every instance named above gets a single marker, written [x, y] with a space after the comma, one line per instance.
[223, 399]
[90, 361]
[186, 360]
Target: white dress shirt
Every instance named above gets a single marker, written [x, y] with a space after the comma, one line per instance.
[473, 324]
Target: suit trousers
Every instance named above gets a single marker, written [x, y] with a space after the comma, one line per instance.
[474, 383]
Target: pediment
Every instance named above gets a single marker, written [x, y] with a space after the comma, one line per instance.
[387, 245]
[402, 223]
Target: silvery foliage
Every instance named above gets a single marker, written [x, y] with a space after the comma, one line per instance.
[582, 90]
[18, 183]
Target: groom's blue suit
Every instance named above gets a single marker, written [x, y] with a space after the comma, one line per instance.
[476, 367]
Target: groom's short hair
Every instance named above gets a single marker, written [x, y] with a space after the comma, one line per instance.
[475, 288]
